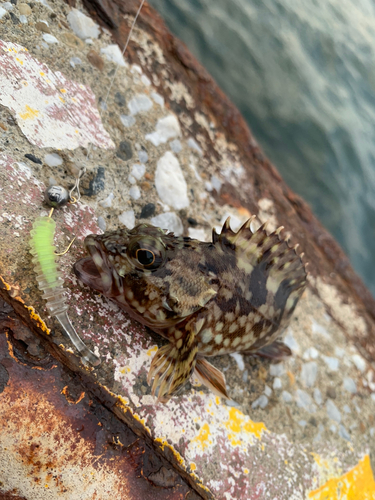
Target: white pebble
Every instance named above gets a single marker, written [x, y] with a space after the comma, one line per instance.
[359, 362]
[333, 428]
[145, 80]
[82, 25]
[158, 99]
[349, 385]
[319, 329]
[23, 19]
[373, 397]
[332, 411]
[139, 104]
[75, 60]
[170, 183]
[347, 409]
[131, 179]
[113, 54]
[344, 433]
[318, 396]
[332, 363]
[304, 401]
[50, 38]
[53, 160]
[2, 12]
[135, 192]
[216, 183]
[287, 397]
[170, 221]
[7, 5]
[192, 143]
[310, 353]
[308, 373]
[197, 233]
[127, 120]
[262, 402]
[127, 218]
[339, 352]
[138, 170]
[136, 69]
[176, 146]
[143, 156]
[291, 342]
[89, 41]
[239, 360]
[277, 383]
[166, 128]
[302, 423]
[245, 376]
[107, 202]
[102, 223]
[267, 390]
[277, 370]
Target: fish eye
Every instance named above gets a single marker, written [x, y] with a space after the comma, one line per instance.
[146, 253]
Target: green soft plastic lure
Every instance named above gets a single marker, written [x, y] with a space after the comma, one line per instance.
[51, 282]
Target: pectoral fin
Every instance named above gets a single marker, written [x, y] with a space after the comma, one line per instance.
[277, 350]
[211, 377]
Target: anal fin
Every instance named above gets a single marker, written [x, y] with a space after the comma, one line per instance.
[211, 377]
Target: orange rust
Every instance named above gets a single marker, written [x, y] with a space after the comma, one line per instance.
[7, 287]
[69, 398]
[13, 356]
[35, 316]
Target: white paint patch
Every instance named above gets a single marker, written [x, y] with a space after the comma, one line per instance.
[50, 110]
[166, 128]
[170, 182]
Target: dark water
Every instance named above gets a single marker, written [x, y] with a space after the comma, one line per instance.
[302, 72]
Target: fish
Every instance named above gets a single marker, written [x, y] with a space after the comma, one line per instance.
[234, 294]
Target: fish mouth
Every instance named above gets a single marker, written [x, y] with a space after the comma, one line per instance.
[94, 270]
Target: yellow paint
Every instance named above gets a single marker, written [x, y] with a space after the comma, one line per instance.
[203, 438]
[30, 113]
[19, 61]
[35, 316]
[152, 350]
[193, 466]
[164, 444]
[246, 471]
[217, 400]
[61, 99]
[239, 424]
[41, 73]
[63, 91]
[321, 462]
[357, 484]
[7, 287]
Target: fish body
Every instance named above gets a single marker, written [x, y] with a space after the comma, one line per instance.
[235, 294]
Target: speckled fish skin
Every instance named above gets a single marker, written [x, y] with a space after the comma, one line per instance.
[235, 294]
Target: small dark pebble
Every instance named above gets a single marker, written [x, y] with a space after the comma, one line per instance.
[313, 421]
[124, 151]
[14, 18]
[331, 392]
[33, 158]
[147, 211]
[14, 2]
[192, 221]
[120, 99]
[97, 183]
[112, 72]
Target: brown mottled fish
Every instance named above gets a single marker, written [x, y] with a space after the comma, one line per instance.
[235, 294]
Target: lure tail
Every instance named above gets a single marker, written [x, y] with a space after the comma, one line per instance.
[51, 283]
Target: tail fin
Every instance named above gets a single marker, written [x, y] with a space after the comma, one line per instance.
[211, 377]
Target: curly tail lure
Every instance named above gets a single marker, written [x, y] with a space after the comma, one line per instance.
[51, 283]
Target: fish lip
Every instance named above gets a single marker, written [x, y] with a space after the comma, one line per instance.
[92, 269]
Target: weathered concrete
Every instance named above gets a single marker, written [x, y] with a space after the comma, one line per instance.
[299, 429]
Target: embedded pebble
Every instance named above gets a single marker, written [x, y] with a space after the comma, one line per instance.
[82, 25]
[43, 26]
[291, 342]
[95, 59]
[349, 385]
[216, 183]
[192, 143]
[7, 6]
[23, 19]
[50, 38]
[287, 397]
[309, 373]
[143, 156]
[302, 423]
[53, 160]
[107, 202]
[310, 353]
[319, 329]
[102, 223]
[318, 396]
[145, 80]
[239, 360]
[197, 234]
[166, 128]
[277, 383]
[124, 151]
[131, 179]
[277, 370]
[135, 192]
[245, 376]
[170, 182]
[24, 9]
[127, 218]
[74, 61]
[373, 396]
[170, 221]
[261, 402]
[347, 409]
[304, 401]
[113, 54]
[332, 363]
[158, 99]
[340, 352]
[127, 120]
[147, 211]
[331, 392]
[138, 170]
[344, 433]
[139, 103]
[2, 12]
[267, 391]
[359, 362]
[332, 411]
[176, 146]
